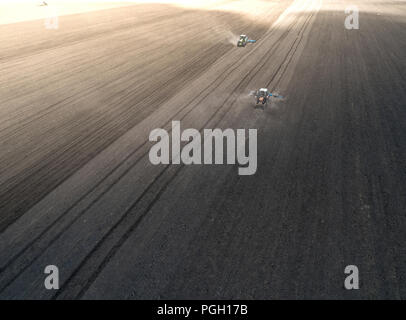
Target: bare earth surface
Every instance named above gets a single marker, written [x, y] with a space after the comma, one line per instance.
[77, 189]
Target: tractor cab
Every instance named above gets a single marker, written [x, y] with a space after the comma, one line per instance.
[242, 41]
[263, 92]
